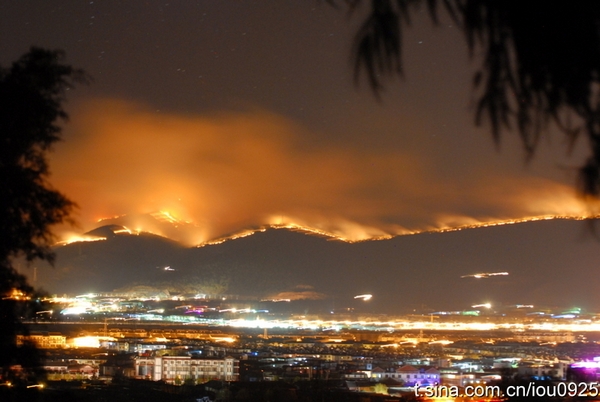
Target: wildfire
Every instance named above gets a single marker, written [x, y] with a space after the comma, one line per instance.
[124, 230]
[16, 294]
[239, 235]
[79, 238]
[164, 216]
[354, 234]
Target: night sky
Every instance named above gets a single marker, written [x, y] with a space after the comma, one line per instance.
[236, 114]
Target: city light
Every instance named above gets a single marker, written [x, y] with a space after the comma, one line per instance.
[88, 341]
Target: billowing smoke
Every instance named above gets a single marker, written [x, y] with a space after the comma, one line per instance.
[212, 175]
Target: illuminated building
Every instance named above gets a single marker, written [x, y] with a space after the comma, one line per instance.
[537, 371]
[172, 368]
[44, 340]
[409, 375]
[456, 377]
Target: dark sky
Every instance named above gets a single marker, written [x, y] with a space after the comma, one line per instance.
[229, 114]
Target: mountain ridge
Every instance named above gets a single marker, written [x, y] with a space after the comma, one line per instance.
[548, 261]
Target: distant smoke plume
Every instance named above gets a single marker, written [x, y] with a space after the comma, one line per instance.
[215, 175]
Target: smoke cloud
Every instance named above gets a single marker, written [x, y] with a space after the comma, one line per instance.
[208, 176]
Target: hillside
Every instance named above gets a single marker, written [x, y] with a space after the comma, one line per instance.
[549, 262]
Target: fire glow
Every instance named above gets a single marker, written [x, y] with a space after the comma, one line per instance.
[201, 180]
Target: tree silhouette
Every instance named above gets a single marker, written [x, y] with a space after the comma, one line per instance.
[541, 64]
[32, 93]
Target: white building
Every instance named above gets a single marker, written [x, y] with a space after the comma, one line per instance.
[171, 368]
[409, 375]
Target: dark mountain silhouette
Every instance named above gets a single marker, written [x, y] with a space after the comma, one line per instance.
[553, 262]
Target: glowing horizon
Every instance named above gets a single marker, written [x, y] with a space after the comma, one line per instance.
[73, 238]
[200, 180]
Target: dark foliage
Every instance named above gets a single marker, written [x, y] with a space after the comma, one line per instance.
[32, 92]
[541, 64]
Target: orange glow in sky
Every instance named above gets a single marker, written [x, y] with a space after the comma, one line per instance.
[198, 178]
